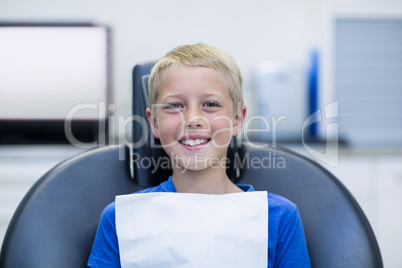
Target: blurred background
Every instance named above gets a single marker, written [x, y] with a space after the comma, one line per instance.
[322, 77]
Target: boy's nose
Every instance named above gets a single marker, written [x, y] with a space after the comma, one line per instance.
[196, 122]
[195, 119]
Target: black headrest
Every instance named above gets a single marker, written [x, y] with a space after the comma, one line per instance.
[150, 163]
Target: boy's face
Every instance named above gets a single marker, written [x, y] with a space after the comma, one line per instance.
[194, 117]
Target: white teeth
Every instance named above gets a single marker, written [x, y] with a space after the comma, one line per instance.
[193, 142]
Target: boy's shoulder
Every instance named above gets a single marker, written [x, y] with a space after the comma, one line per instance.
[276, 203]
[282, 213]
[155, 189]
[280, 205]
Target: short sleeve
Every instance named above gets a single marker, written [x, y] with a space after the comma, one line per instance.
[105, 250]
[291, 248]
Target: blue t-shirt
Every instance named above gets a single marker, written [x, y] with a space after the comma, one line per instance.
[286, 240]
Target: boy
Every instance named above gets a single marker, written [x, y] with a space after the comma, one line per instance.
[197, 94]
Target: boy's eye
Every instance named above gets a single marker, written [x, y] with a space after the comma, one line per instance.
[173, 106]
[210, 104]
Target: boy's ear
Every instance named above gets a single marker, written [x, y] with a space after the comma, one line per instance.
[238, 120]
[153, 122]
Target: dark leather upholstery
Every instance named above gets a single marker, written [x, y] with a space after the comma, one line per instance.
[55, 224]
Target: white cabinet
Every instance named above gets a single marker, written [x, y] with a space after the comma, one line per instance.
[389, 233]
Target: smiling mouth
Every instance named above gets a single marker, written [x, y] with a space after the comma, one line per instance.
[194, 142]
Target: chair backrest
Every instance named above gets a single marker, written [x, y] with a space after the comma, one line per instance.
[56, 222]
[338, 233]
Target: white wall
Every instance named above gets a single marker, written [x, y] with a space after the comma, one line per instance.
[251, 31]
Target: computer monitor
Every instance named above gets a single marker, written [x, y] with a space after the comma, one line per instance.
[50, 73]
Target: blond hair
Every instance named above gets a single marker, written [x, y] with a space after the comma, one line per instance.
[200, 55]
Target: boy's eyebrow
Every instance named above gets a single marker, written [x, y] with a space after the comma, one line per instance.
[170, 96]
[213, 94]
[180, 96]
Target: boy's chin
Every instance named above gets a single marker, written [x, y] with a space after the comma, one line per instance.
[198, 166]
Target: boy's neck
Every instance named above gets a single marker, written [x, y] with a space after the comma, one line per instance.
[204, 182]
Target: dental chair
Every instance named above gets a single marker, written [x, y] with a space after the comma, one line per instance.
[56, 222]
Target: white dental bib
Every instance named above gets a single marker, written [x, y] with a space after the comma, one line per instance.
[167, 229]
